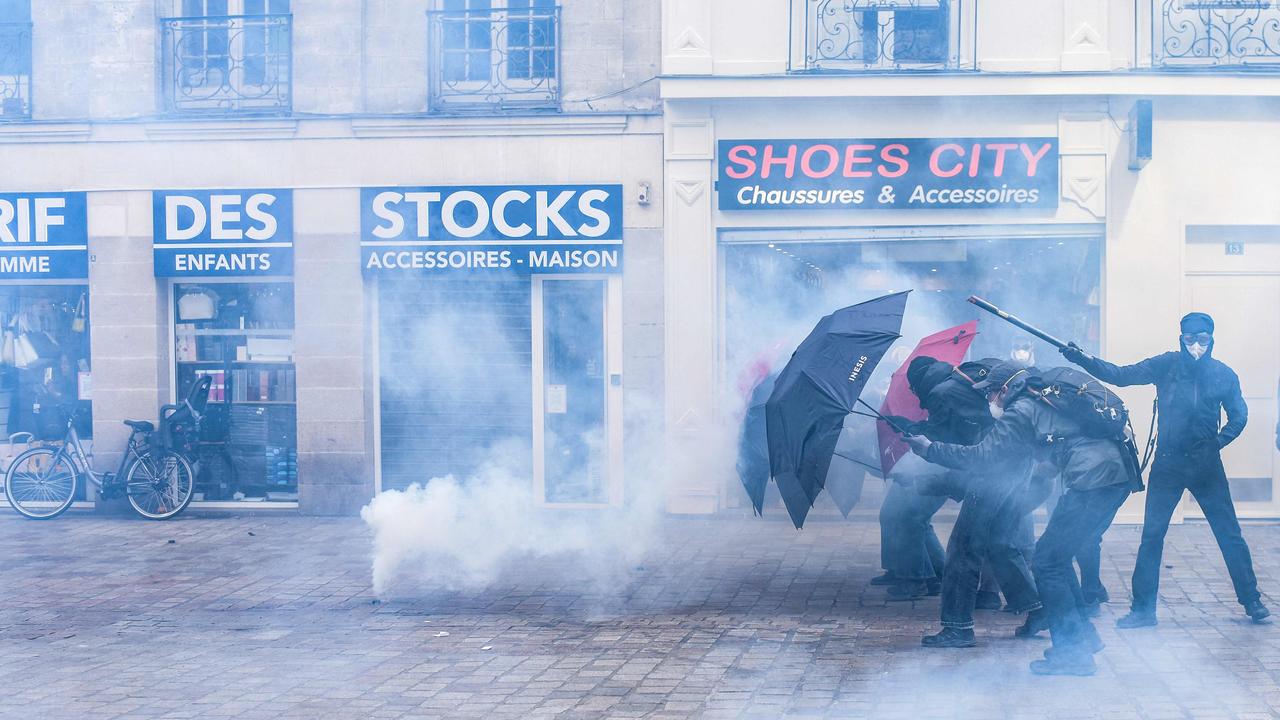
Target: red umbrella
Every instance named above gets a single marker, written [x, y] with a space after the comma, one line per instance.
[949, 346]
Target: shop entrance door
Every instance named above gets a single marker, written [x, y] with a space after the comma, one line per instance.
[577, 391]
[1246, 313]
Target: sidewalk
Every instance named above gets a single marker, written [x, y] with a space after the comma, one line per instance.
[270, 617]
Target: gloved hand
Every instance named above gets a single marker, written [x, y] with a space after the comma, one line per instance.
[1073, 353]
[919, 444]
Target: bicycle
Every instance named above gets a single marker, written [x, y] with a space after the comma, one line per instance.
[158, 481]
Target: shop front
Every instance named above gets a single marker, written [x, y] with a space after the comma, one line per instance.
[225, 258]
[45, 358]
[805, 217]
[498, 336]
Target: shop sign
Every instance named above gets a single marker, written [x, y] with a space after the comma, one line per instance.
[1016, 173]
[43, 236]
[492, 228]
[223, 233]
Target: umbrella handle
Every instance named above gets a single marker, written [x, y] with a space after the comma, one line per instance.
[884, 419]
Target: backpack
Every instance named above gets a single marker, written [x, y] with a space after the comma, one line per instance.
[975, 371]
[1083, 398]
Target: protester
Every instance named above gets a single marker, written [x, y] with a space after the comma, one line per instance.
[1097, 479]
[985, 526]
[1193, 389]
[911, 553]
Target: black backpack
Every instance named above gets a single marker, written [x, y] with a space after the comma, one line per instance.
[1083, 398]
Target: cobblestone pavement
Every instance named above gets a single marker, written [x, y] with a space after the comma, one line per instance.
[271, 617]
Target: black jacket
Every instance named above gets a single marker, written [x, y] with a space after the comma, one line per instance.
[1191, 397]
[1031, 428]
[957, 412]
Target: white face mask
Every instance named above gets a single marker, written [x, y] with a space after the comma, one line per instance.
[996, 410]
[1197, 350]
[1022, 357]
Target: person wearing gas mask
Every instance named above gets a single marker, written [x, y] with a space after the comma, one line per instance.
[1097, 478]
[1023, 352]
[984, 529]
[1193, 389]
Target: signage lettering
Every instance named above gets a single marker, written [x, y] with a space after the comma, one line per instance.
[542, 228]
[43, 235]
[210, 233]
[888, 174]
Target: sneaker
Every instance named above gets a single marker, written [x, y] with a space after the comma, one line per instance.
[1037, 620]
[949, 638]
[1066, 663]
[908, 590]
[935, 587]
[887, 578]
[987, 600]
[1094, 598]
[1092, 610]
[1257, 611]
[1090, 641]
[1137, 619]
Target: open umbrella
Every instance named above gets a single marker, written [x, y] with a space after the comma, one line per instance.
[819, 387]
[949, 346]
[753, 444]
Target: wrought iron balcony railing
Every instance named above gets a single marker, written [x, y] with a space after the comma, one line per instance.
[494, 60]
[1215, 33]
[879, 35]
[15, 71]
[241, 64]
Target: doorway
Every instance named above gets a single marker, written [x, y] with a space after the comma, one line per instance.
[577, 391]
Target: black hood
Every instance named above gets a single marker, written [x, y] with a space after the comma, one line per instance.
[924, 374]
[1196, 322]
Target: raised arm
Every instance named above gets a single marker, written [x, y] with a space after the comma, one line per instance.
[1144, 372]
[1010, 431]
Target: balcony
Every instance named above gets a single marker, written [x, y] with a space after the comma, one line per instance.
[880, 35]
[494, 60]
[15, 71]
[1209, 34]
[230, 64]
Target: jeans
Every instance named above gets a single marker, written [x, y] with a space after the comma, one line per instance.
[985, 529]
[1078, 521]
[1090, 562]
[909, 547]
[1207, 481]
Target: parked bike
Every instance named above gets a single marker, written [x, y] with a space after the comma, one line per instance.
[157, 479]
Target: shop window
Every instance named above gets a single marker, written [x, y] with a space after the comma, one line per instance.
[241, 336]
[44, 363]
[775, 292]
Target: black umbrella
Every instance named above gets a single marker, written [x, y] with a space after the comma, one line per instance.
[753, 445]
[856, 455]
[819, 387]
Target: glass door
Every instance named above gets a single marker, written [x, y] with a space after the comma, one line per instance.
[577, 391]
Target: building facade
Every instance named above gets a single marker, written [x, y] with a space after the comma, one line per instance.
[1098, 167]
[391, 232]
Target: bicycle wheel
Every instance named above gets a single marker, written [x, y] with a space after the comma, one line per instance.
[41, 483]
[159, 489]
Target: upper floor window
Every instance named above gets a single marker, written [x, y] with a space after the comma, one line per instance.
[224, 56]
[1209, 33]
[15, 59]
[876, 34]
[495, 55]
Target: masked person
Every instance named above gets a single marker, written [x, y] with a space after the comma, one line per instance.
[984, 529]
[1097, 477]
[1192, 390]
[1023, 352]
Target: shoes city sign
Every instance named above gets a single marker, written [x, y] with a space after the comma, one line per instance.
[888, 174]
[43, 235]
[223, 233]
[511, 228]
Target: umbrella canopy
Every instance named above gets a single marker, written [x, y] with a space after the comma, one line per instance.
[949, 346]
[855, 456]
[816, 390]
[753, 444]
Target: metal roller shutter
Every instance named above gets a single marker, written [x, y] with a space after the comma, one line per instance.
[455, 375]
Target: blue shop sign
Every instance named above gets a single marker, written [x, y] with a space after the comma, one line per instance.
[223, 233]
[43, 236]
[503, 228]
